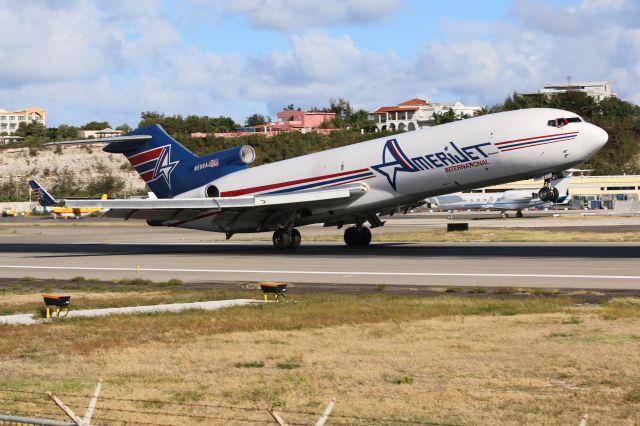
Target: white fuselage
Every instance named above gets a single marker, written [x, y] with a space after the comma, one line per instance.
[403, 169]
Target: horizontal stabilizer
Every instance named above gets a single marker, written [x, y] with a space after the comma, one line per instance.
[115, 139]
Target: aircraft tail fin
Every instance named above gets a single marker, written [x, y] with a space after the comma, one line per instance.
[171, 169]
[44, 198]
[168, 167]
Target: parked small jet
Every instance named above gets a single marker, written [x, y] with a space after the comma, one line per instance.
[46, 200]
[353, 184]
[503, 201]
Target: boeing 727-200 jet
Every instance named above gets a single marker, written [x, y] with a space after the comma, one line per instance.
[351, 185]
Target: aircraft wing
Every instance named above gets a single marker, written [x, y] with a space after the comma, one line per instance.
[186, 209]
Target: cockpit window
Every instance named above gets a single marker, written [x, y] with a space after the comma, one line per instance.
[561, 121]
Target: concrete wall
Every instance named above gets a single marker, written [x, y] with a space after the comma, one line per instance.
[20, 207]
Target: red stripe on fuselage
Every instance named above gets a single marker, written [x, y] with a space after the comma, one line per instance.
[143, 157]
[351, 181]
[244, 191]
[400, 156]
[536, 144]
[536, 137]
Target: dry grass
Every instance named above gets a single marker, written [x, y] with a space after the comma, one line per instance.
[493, 235]
[531, 360]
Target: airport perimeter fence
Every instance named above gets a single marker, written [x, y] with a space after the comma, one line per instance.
[154, 412]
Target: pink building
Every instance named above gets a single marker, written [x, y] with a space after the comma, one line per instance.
[288, 121]
[304, 121]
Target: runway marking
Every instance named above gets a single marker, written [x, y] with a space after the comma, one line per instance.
[359, 273]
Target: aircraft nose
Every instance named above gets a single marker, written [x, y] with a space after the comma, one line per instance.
[595, 138]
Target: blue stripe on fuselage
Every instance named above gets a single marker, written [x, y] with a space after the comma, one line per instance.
[326, 182]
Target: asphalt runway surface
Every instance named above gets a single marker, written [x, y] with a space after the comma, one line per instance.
[124, 251]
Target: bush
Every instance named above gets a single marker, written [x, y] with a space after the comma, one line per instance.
[250, 364]
[403, 380]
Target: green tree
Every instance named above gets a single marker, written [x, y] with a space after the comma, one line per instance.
[33, 130]
[96, 125]
[255, 120]
[8, 190]
[341, 107]
[124, 128]
[65, 184]
[65, 131]
[447, 115]
[104, 184]
[482, 111]
[176, 125]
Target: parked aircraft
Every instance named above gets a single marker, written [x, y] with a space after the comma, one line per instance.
[46, 200]
[350, 185]
[517, 200]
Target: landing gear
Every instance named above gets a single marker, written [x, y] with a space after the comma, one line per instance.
[519, 213]
[357, 236]
[296, 239]
[548, 194]
[287, 239]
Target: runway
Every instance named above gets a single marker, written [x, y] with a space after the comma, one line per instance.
[188, 256]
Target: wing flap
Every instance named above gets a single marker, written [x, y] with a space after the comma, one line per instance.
[221, 202]
[187, 208]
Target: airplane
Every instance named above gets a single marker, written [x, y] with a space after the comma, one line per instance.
[46, 200]
[351, 185]
[513, 199]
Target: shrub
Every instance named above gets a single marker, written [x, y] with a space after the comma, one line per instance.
[250, 364]
[403, 380]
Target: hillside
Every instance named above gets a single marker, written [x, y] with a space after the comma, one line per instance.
[67, 170]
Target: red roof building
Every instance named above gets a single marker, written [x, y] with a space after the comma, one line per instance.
[414, 113]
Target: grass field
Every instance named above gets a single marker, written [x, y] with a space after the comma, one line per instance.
[494, 235]
[529, 359]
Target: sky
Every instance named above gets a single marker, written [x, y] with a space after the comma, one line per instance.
[110, 60]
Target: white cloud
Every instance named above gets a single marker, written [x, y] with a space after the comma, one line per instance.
[55, 43]
[288, 15]
[83, 63]
[593, 41]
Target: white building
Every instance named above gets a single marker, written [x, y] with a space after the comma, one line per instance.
[598, 90]
[98, 134]
[10, 120]
[415, 113]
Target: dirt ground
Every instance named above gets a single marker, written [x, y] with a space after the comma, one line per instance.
[388, 359]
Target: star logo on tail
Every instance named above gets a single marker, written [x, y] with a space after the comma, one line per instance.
[394, 160]
[164, 166]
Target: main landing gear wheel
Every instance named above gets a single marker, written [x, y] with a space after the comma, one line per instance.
[519, 213]
[549, 194]
[283, 239]
[296, 239]
[357, 236]
[545, 194]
